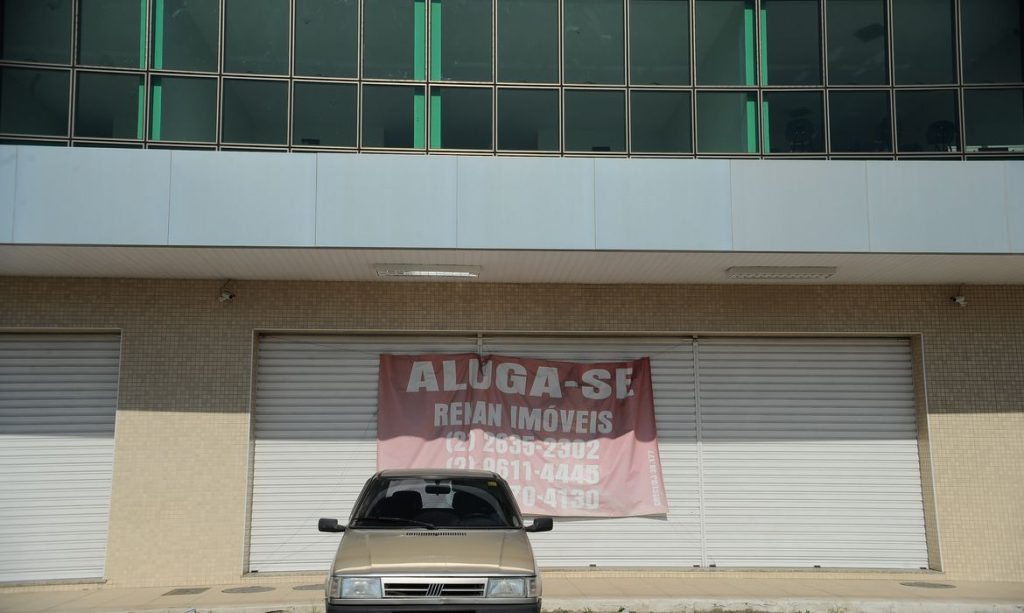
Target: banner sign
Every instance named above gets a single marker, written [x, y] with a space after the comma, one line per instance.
[572, 439]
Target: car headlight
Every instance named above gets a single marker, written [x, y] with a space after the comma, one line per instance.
[355, 587]
[511, 587]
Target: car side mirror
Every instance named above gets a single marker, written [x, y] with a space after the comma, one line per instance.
[540, 524]
[328, 524]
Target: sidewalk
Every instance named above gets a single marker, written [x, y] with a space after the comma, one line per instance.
[595, 592]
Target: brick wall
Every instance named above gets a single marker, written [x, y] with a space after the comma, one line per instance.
[179, 503]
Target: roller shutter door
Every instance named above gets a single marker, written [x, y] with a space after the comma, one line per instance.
[809, 454]
[58, 396]
[315, 444]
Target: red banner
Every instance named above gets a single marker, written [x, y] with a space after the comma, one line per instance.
[575, 440]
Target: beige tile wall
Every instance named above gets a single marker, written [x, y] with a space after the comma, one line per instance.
[181, 461]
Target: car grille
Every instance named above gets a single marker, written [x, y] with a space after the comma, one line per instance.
[433, 589]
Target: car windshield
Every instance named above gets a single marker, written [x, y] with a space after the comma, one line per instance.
[426, 502]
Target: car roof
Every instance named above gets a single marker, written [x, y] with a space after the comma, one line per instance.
[437, 473]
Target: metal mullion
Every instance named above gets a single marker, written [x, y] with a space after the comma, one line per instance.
[146, 79]
[222, 31]
[290, 104]
[692, 7]
[960, 78]
[560, 10]
[494, 77]
[359, 74]
[627, 78]
[758, 80]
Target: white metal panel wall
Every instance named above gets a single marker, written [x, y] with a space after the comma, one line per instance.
[58, 397]
[315, 441]
[809, 453]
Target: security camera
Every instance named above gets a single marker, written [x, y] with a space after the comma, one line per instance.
[226, 295]
[959, 300]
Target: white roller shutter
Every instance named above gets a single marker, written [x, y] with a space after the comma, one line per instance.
[58, 397]
[809, 454]
[315, 444]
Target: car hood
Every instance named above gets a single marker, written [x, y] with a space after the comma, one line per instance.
[413, 551]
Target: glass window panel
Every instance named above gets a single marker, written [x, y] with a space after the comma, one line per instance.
[856, 42]
[256, 36]
[324, 114]
[183, 109]
[34, 101]
[393, 116]
[922, 41]
[726, 122]
[594, 41]
[185, 34]
[326, 37]
[255, 112]
[860, 122]
[36, 31]
[791, 42]
[528, 41]
[793, 122]
[461, 118]
[109, 105]
[528, 119]
[461, 40]
[991, 40]
[660, 122]
[110, 33]
[393, 39]
[725, 42]
[595, 120]
[927, 121]
[994, 120]
[659, 42]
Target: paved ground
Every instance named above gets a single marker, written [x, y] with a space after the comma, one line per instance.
[566, 591]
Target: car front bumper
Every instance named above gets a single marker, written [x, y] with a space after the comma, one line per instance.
[447, 607]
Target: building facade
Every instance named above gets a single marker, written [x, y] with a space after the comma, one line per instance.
[809, 214]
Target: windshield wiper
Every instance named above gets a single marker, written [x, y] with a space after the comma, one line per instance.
[398, 520]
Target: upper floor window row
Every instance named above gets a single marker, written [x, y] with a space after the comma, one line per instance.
[702, 43]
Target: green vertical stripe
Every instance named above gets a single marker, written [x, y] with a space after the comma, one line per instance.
[419, 38]
[140, 129]
[418, 122]
[748, 42]
[435, 120]
[158, 35]
[435, 39]
[751, 123]
[767, 127]
[764, 47]
[142, 33]
[156, 119]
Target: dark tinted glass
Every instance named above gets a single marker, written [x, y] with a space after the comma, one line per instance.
[922, 41]
[528, 41]
[994, 120]
[660, 122]
[393, 116]
[183, 109]
[324, 114]
[860, 122]
[726, 122]
[595, 121]
[326, 37]
[110, 33]
[393, 39]
[659, 42]
[185, 34]
[461, 118]
[927, 121]
[793, 122]
[34, 101]
[594, 50]
[255, 112]
[528, 119]
[36, 31]
[464, 502]
[256, 36]
[856, 42]
[725, 42]
[461, 43]
[109, 105]
[991, 40]
[791, 42]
